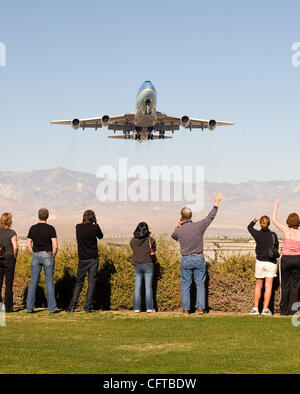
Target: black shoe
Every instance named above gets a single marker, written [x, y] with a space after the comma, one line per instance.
[53, 313]
[32, 311]
[88, 311]
[70, 310]
[284, 313]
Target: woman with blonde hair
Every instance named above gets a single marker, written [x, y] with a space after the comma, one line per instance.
[8, 255]
[290, 261]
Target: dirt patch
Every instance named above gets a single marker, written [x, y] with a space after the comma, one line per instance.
[165, 347]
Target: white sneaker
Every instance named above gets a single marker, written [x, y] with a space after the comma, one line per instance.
[254, 311]
[266, 312]
[150, 310]
[137, 311]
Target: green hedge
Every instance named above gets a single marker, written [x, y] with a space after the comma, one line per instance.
[230, 284]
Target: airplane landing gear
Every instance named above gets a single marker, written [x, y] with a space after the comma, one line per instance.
[161, 135]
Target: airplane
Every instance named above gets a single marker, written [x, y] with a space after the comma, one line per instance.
[145, 123]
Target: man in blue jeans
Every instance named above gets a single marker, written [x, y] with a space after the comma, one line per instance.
[43, 246]
[190, 236]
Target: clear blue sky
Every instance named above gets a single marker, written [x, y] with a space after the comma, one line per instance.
[223, 60]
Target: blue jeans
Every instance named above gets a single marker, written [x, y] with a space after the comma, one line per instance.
[89, 267]
[39, 260]
[193, 266]
[143, 271]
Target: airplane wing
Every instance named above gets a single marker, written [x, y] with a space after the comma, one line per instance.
[97, 122]
[191, 123]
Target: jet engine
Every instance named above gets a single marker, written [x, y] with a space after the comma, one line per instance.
[105, 120]
[185, 121]
[212, 124]
[75, 123]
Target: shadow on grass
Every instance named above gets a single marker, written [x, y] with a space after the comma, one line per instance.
[40, 298]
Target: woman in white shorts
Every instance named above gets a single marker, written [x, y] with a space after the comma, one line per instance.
[266, 266]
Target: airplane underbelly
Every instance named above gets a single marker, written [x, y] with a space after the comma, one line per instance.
[143, 120]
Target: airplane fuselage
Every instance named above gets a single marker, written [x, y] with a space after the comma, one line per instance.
[145, 116]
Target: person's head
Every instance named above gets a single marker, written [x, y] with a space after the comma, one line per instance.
[43, 214]
[293, 220]
[264, 222]
[89, 217]
[186, 214]
[142, 230]
[5, 220]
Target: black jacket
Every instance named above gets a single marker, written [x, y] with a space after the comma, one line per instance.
[87, 235]
[141, 249]
[263, 239]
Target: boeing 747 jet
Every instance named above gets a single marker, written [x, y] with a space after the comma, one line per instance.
[145, 123]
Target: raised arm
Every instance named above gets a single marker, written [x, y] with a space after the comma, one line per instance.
[251, 228]
[217, 199]
[282, 227]
[99, 232]
[210, 217]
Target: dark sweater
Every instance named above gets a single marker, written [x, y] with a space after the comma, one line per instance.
[87, 235]
[141, 250]
[263, 239]
[190, 235]
[6, 234]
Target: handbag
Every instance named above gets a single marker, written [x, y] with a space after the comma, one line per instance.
[273, 252]
[152, 252]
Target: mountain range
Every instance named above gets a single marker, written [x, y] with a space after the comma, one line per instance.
[68, 193]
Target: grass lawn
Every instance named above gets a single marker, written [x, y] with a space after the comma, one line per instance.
[124, 342]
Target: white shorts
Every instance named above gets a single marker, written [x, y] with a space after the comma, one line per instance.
[265, 269]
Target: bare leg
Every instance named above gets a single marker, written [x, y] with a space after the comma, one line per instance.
[268, 292]
[257, 293]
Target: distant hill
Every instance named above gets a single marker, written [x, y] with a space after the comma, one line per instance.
[68, 193]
